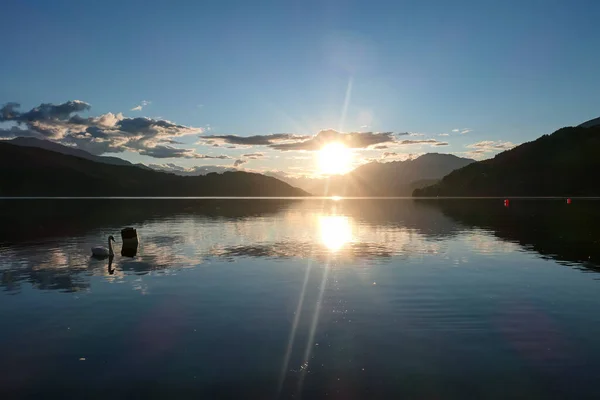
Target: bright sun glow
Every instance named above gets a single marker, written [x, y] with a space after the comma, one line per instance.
[336, 231]
[334, 158]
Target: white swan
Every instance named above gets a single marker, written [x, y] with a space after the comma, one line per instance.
[101, 251]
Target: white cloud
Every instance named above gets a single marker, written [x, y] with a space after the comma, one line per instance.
[143, 104]
[444, 134]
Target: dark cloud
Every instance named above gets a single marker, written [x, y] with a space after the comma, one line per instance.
[161, 151]
[380, 147]
[45, 111]
[402, 133]
[351, 140]
[441, 144]
[107, 133]
[389, 154]
[257, 140]
[237, 163]
[15, 131]
[253, 155]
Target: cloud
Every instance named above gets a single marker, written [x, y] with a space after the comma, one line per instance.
[480, 149]
[161, 151]
[490, 145]
[444, 134]
[422, 141]
[45, 111]
[380, 147]
[257, 140]
[351, 140]
[191, 171]
[107, 133]
[402, 133]
[139, 107]
[462, 131]
[389, 154]
[254, 155]
[237, 163]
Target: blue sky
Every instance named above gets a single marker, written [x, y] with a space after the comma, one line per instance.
[506, 71]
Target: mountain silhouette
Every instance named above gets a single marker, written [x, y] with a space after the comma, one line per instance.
[32, 171]
[396, 178]
[565, 163]
[71, 151]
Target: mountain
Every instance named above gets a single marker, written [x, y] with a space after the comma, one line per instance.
[590, 123]
[59, 148]
[565, 163]
[396, 178]
[32, 171]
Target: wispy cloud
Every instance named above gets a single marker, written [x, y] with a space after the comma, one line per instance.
[444, 134]
[254, 156]
[139, 107]
[288, 141]
[256, 140]
[352, 140]
[483, 148]
[462, 131]
[490, 145]
[422, 141]
[237, 163]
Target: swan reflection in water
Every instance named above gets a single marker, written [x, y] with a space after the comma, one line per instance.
[336, 231]
[111, 269]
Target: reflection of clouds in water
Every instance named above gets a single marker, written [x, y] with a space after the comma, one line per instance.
[346, 231]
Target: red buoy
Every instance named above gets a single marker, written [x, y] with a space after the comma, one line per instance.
[506, 202]
[568, 201]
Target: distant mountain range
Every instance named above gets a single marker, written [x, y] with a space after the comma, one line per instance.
[71, 151]
[33, 171]
[565, 163]
[396, 178]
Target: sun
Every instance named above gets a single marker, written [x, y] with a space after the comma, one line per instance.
[334, 158]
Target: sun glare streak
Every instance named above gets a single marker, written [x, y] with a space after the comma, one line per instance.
[313, 329]
[346, 104]
[292, 337]
[336, 231]
[334, 158]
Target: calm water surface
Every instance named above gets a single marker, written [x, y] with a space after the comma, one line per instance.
[296, 299]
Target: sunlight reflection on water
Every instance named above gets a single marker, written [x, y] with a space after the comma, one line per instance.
[292, 284]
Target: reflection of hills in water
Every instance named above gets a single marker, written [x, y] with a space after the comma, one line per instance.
[568, 233]
[48, 242]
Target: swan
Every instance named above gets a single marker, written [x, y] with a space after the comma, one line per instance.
[101, 251]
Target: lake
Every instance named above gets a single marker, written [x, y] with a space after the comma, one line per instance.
[291, 298]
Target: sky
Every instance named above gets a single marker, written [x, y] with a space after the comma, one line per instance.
[263, 85]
